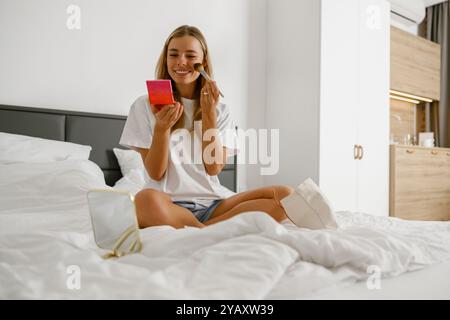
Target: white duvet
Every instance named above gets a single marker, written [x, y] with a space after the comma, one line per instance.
[247, 257]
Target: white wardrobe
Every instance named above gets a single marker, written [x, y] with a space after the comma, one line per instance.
[328, 93]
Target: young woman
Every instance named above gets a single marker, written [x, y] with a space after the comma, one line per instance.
[188, 192]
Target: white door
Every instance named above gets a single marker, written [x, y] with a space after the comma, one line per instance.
[373, 111]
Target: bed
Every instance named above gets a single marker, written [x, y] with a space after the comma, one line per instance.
[47, 250]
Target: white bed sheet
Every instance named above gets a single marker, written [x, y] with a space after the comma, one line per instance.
[432, 283]
[247, 257]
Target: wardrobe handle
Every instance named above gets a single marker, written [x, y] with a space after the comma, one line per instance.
[355, 152]
[361, 154]
[409, 151]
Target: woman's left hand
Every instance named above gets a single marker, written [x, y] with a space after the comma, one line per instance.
[209, 97]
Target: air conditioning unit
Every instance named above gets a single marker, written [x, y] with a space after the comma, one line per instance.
[411, 11]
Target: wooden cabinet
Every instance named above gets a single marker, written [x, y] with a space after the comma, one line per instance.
[415, 65]
[420, 183]
[419, 177]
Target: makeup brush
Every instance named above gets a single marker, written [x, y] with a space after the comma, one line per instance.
[199, 68]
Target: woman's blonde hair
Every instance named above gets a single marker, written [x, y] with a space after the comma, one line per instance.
[163, 73]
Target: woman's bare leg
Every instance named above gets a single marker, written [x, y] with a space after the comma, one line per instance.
[268, 206]
[154, 208]
[262, 199]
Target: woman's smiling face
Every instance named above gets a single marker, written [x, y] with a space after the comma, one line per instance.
[182, 54]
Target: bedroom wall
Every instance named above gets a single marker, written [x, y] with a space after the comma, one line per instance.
[293, 69]
[102, 67]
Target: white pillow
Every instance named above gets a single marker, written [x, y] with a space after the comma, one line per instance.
[15, 148]
[129, 160]
[133, 182]
[135, 176]
[35, 186]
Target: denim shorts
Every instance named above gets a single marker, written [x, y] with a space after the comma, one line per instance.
[200, 211]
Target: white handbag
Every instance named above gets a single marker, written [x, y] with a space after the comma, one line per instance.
[308, 207]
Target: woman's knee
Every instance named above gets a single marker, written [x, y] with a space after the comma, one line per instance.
[150, 195]
[151, 208]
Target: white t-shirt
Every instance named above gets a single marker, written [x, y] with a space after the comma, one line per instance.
[186, 177]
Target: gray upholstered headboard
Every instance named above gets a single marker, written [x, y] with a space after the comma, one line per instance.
[101, 131]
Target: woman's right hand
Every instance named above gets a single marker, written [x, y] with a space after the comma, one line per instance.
[168, 115]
